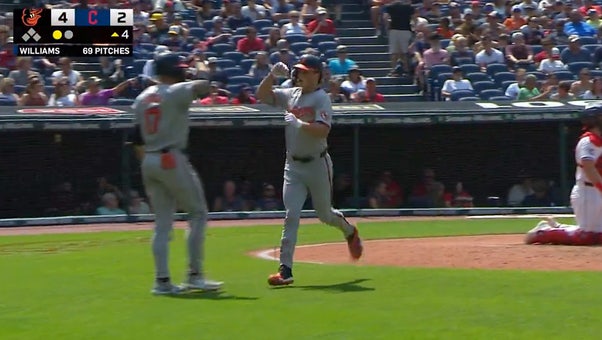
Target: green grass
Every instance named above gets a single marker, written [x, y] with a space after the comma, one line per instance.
[96, 286]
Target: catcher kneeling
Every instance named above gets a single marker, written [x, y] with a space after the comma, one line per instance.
[586, 196]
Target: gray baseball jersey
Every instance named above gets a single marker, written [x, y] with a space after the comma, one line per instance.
[169, 179]
[311, 107]
[307, 176]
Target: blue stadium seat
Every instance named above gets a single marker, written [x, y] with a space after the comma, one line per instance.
[477, 76]
[499, 98]
[48, 89]
[242, 79]
[241, 31]
[298, 47]
[138, 66]
[235, 39]
[246, 64]
[225, 63]
[464, 60]
[209, 54]
[564, 75]
[190, 23]
[458, 94]
[234, 56]
[266, 30]
[4, 71]
[592, 47]
[262, 23]
[296, 38]
[19, 89]
[234, 88]
[587, 40]
[329, 54]
[438, 69]
[539, 75]
[121, 101]
[487, 94]
[316, 39]
[595, 73]
[442, 77]
[283, 22]
[504, 85]
[197, 32]
[327, 45]
[492, 69]
[233, 72]
[480, 86]
[561, 47]
[470, 68]
[222, 48]
[208, 25]
[536, 49]
[577, 66]
[468, 99]
[445, 43]
[148, 46]
[504, 76]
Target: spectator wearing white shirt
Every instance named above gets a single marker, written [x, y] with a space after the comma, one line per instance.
[67, 71]
[294, 27]
[253, 10]
[355, 82]
[514, 89]
[148, 70]
[488, 55]
[553, 63]
[456, 83]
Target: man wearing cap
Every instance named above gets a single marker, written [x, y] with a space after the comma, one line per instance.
[589, 5]
[455, 84]
[253, 10]
[492, 26]
[175, 42]
[516, 20]
[576, 26]
[158, 28]
[355, 82]
[342, 64]
[369, 95]
[553, 63]
[250, 42]
[593, 18]
[488, 55]
[96, 96]
[586, 195]
[214, 97]
[321, 25]
[575, 52]
[237, 19]
[518, 53]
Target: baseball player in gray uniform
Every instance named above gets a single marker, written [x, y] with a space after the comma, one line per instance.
[162, 127]
[308, 167]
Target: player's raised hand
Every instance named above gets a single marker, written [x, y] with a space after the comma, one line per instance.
[290, 119]
[280, 70]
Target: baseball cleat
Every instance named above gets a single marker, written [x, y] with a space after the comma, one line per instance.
[166, 288]
[282, 278]
[533, 234]
[354, 243]
[197, 283]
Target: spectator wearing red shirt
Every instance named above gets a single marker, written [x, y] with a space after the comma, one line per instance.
[250, 43]
[587, 5]
[214, 97]
[394, 191]
[245, 96]
[369, 95]
[428, 192]
[7, 57]
[547, 45]
[321, 25]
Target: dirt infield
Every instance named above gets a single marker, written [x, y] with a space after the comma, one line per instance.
[471, 252]
[484, 252]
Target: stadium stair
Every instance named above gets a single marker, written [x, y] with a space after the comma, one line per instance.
[372, 54]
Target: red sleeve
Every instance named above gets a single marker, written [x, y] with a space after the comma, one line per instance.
[331, 28]
[253, 100]
[540, 56]
[312, 26]
[235, 101]
[240, 47]
[379, 98]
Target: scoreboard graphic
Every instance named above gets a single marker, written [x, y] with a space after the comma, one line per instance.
[73, 32]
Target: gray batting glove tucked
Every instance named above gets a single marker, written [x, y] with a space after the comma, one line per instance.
[280, 70]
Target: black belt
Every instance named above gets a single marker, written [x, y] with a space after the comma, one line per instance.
[167, 150]
[308, 159]
[588, 184]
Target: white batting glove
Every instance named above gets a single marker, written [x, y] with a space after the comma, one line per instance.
[293, 121]
[280, 70]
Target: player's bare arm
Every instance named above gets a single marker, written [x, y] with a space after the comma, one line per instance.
[123, 85]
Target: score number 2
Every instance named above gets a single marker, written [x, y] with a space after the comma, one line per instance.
[152, 116]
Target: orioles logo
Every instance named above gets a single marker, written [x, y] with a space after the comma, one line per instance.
[30, 17]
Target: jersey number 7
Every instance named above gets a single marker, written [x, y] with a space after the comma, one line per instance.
[152, 116]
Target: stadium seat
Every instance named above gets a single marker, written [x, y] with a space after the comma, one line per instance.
[233, 72]
[564, 75]
[577, 66]
[445, 43]
[263, 23]
[595, 73]
[487, 94]
[477, 76]
[587, 40]
[327, 45]
[316, 39]
[235, 39]
[298, 47]
[241, 31]
[504, 76]
[148, 46]
[458, 94]
[592, 47]
[470, 68]
[492, 69]
[329, 54]
[561, 47]
[480, 86]
[121, 101]
[138, 66]
[242, 79]
[208, 25]
[283, 22]
[504, 85]
[539, 75]
[19, 89]
[536, 49]
[4, 71]
[295, 38]
[197, 32]
[246, 64]
[266, 30]
[438, 69]
[222, 48]
[234, 88]
[468, 99]
[49, 89]
[209, 54]
[464, 60]
[225, 63]
[235, 56]
[190, 23]
[500, 98]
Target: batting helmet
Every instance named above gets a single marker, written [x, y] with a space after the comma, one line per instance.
[590, 115]
[307, 62]
[171, 65]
